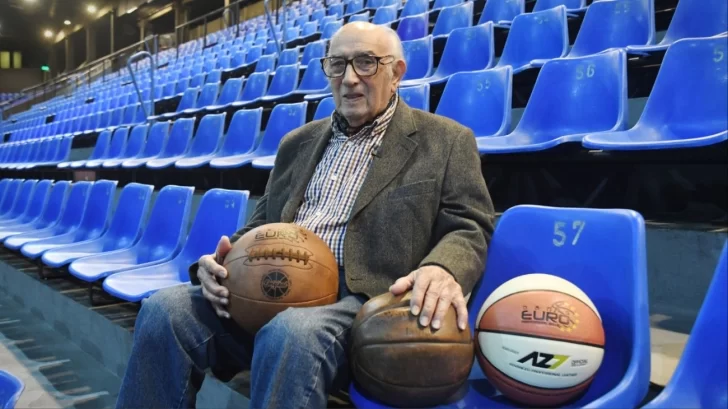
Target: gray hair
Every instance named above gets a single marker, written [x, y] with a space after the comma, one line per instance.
[395, 42]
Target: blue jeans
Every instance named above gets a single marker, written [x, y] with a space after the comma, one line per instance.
[295, 360]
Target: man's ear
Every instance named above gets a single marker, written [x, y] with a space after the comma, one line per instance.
[399, 68]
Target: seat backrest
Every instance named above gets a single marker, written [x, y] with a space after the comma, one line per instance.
[336, 10]
[413, 27]
[208, 95]
[283, 119]
[501, 10]
[288, 57]
[701, 376]
[385, 15]
[97, 211]
[167, 224]
[549, 4]
[266, 63]
[221, 212]
[198, 80]
[157, 139]
[243, 132]
[230, 91]
[537, 35]
[135, 144]
[37, 200]
[253, 54]
[603, 253]
[255, 86]
[64, 149]
[364, 16]
[11, 195]
[3, 185]
[126, 224]
[313, 50]
[118, 142]
[189, 99]
[102, 146]
[179, 138]
[468, 49]
[12, 387]
[577, 95]
[419, 56]
[609, 24]
[309, 28]
[21, 198]
[354, 6]
[284, 81]
[704, 111]
[325, 108]
[214, 76]
[75, 205]
[439, 4]
[417, 97]
[313, 77]
[54, 206]
[116, 117]
[453, 17]
[330, 29]
[208, 136]
[129, 114]
[468, 94]
[697, 19]
[414, 7]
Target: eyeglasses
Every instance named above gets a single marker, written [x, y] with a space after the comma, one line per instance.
[364, 65]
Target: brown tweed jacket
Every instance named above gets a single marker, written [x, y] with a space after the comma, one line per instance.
[424, 201]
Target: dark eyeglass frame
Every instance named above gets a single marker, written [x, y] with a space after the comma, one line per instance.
[350, 61]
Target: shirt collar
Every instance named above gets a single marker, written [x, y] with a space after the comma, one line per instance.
[340, 125]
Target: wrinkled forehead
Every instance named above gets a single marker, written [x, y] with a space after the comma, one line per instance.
[355, 42]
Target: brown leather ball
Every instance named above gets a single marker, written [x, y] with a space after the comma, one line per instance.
[276, 266]
[400, 363]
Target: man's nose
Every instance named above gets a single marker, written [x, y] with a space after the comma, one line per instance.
[350, 76]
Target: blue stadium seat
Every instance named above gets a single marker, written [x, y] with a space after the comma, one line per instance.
[330, 29]
[160, 241]
[453, 17]
[32, 209]
[688, 105]
[336, 10]
[414, 7]
[158, 136]
[124, 230]
[549, 4]
[230, 93]
[207, 142]
[69, 220]
[189, 100]
[603, 253]
[571, 98]
[468, 95]
[283, 84]
[440, 4]
[214, 77]
[266, 63]
[221, 212]
[413, 27]
[20, 201]
[283, 119]
[539, 35]
[11, 387]
[288, 57]
[386, 15]
[133, 147]
[93, 222]
[208, 96]
[314, 81]
[354, 6]
[116, 147]
[325, 108]
[10, 196]
[3, 187]
[52, 210]
[466, 49]
[255, 88]
[417, 96]
[102, 146]
[419, 56]
[240, 139]
[692, 19]
[177, 144]
[501, 12]
[701, 377]
[313, 51]
[360, 17]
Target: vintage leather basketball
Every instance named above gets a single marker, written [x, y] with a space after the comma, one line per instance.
[400, 363]
[276, 266]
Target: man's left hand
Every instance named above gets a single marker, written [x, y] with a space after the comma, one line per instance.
[437, 290]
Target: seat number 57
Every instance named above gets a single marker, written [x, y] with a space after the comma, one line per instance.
[562, 232]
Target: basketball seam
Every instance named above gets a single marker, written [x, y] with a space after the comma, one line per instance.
[274, 302]
[282, 258]
[519, 383]
[552, 291]
[519, 334]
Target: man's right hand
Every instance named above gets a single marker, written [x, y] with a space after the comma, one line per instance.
[210, 272]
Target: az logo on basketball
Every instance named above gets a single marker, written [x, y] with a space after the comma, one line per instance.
[544, 360]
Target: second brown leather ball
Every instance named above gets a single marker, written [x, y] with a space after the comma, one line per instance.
[400, 363]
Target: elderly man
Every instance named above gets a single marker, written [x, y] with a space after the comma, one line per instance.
[398, 196]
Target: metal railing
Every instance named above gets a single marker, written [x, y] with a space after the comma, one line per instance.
[138, 56]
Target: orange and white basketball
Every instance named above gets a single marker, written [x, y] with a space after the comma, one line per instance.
[539, 339]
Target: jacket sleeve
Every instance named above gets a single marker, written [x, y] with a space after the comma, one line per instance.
[258, 218]
[464, 225]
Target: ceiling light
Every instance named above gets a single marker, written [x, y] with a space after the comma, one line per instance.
[67, 22]
[48, 34]
[131, 10]
[91, 8]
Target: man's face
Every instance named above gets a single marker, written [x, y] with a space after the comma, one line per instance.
[360, 98]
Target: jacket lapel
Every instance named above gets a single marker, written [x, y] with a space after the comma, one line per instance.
[392, 155]
[308, 156]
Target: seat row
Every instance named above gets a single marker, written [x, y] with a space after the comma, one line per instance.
[140, 247]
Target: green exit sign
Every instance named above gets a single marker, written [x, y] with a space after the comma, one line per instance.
[45, 68]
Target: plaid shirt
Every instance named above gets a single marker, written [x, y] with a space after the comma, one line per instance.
[339, 175]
